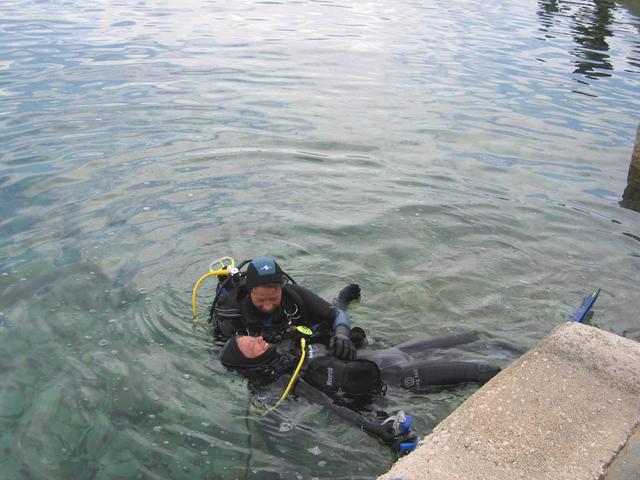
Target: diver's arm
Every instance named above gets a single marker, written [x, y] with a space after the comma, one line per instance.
[347, 295]
[319, 311]
[328, 317]
[381, 430]
[419, 345]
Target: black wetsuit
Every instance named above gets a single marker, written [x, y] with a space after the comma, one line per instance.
[235, 314]
[418, 365]
[424, 363]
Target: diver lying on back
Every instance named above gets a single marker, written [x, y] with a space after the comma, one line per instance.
[417, 365]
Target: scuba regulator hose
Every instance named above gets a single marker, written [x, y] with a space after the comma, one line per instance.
[197, 285]
[303, 344]
[228, 267]
[287, 390]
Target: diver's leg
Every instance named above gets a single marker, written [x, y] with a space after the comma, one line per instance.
[421, 344]
[494, 347]
[422, 375]
[383, 430]
[387, 358]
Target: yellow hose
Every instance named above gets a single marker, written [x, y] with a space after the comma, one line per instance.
[224, 271]
[294, 376]
[303, 344]
[210, 273]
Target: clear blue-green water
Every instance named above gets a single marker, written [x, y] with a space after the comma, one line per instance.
[463, 161]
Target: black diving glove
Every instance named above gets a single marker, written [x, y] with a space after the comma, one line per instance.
[347, 295]
[341, 344]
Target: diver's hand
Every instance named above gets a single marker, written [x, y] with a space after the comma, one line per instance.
[347, 295]
[341, 344]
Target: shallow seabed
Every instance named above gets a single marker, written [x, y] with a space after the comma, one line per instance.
[462, 161]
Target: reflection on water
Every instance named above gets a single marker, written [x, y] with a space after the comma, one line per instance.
[591, 32]
[461, 166]
[591, 27]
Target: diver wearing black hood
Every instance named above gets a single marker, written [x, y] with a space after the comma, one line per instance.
[417, 365]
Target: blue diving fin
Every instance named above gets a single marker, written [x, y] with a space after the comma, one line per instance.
[580, 313]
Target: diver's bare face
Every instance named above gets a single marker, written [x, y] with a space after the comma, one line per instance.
[252, 347]
[265, 298]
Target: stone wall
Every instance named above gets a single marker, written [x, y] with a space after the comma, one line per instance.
[631, 195]
[562, 411]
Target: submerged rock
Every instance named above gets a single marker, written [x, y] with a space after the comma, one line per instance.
[6, 450]
[100, 434]
[12, 402]
[120, 464]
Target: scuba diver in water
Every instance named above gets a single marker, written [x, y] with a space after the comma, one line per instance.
[418, 365]
[262, 313]
[266, 301]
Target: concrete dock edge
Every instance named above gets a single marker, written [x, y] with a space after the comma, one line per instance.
[564, 410]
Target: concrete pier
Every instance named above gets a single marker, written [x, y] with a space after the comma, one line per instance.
[564, 410]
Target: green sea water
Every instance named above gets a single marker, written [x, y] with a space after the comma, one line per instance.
[464, 162]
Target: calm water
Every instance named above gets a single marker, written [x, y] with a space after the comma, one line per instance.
[462, 161]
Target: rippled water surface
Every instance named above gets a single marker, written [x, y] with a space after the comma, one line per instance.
[463, 161]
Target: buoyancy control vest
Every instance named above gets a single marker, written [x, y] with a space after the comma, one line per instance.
[353, 378]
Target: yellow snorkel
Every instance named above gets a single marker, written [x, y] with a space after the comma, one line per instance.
[227, 267]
